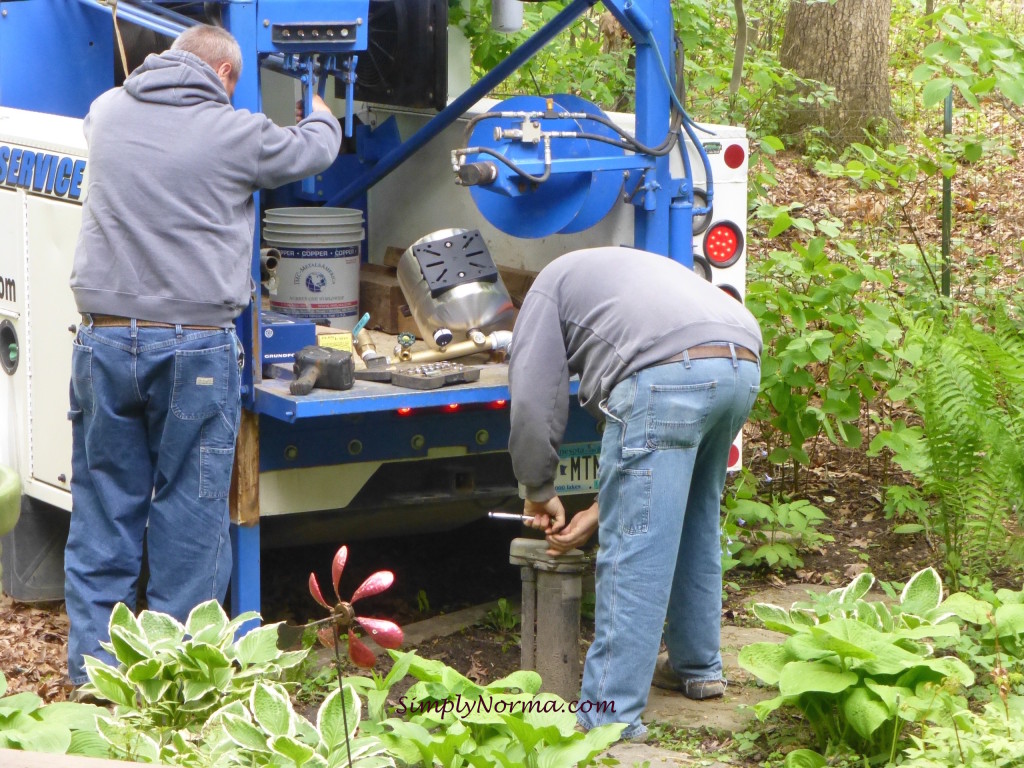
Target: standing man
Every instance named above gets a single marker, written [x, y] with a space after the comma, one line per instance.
[671, 365]
[161, 271]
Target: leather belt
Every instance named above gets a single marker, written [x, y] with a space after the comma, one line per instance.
[116, 321]
[705, 351]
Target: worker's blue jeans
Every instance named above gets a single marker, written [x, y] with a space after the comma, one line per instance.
[154, 414]
[663, 463]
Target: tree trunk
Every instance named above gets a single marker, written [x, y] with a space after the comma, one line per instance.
[845, 45]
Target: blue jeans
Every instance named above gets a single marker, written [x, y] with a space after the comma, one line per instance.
[155, 414]
[663, 463]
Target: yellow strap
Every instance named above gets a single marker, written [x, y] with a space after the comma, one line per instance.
[117, 34]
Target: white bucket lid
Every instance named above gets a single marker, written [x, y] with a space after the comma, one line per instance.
[313, 214]
[301, 241]
[287, 230]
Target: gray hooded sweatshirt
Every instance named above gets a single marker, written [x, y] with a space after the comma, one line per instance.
[603, 314]
[167, 226]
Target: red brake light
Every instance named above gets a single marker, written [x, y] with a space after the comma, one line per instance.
[452, 407]
[404, 411]
[734, 155]
[723, 244]
[499, 404]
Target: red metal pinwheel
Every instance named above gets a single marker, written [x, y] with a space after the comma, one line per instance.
[343, 617]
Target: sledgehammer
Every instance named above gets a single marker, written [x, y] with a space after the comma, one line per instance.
[321, 367]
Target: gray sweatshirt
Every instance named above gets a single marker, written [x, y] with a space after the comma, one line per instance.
[167, 226]
[604, 314]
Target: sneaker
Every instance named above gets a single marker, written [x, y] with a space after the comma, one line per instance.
[705, 689]
[665, 677]
[638, 736]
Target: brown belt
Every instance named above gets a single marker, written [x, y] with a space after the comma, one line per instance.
[116, 321]
[704, 351]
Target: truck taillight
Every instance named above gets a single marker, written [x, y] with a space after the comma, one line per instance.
[723, 244]
[498, 404]
[452, 407]
[404, 411]
[734, 155]
[702, 266]
[732, 290]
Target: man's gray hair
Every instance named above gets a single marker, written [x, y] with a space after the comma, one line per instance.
[214, 45]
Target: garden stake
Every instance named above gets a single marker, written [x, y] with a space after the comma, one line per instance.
[343, 618]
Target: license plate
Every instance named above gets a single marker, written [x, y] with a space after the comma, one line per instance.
[577, 469]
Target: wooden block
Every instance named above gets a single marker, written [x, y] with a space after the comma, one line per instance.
[381, 296]
[244, 496]
[392, 256]
[517, 283]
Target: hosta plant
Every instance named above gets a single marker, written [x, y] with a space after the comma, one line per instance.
[61, 728]
[860, 670]
[447, 719]
[173, 675]
[266, 731]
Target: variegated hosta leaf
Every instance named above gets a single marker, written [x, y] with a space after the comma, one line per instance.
[293, 750]
[161, 630]
[856, 589]
[111, 684]
[773, 617]
[122, 616]
[330, 720]
[244, 733]
[272, 709]
[922, 594]
[127, 646]
[207, 623]
[765, 660]
[259, 646]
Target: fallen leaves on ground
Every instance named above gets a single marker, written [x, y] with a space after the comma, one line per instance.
[33, 648]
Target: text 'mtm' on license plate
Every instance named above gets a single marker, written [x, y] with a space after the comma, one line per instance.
[577, 468]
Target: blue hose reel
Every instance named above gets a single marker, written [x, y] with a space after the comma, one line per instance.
[532, 170]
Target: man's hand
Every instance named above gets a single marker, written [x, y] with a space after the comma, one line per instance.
[576, 533]
[319, 105]
[548, 515]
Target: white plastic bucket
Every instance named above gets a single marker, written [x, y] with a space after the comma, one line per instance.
[318, 272]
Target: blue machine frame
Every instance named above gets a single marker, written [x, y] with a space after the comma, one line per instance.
[76, 37]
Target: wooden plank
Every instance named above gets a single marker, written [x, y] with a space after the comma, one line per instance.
[382, 297]
[244, 497]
